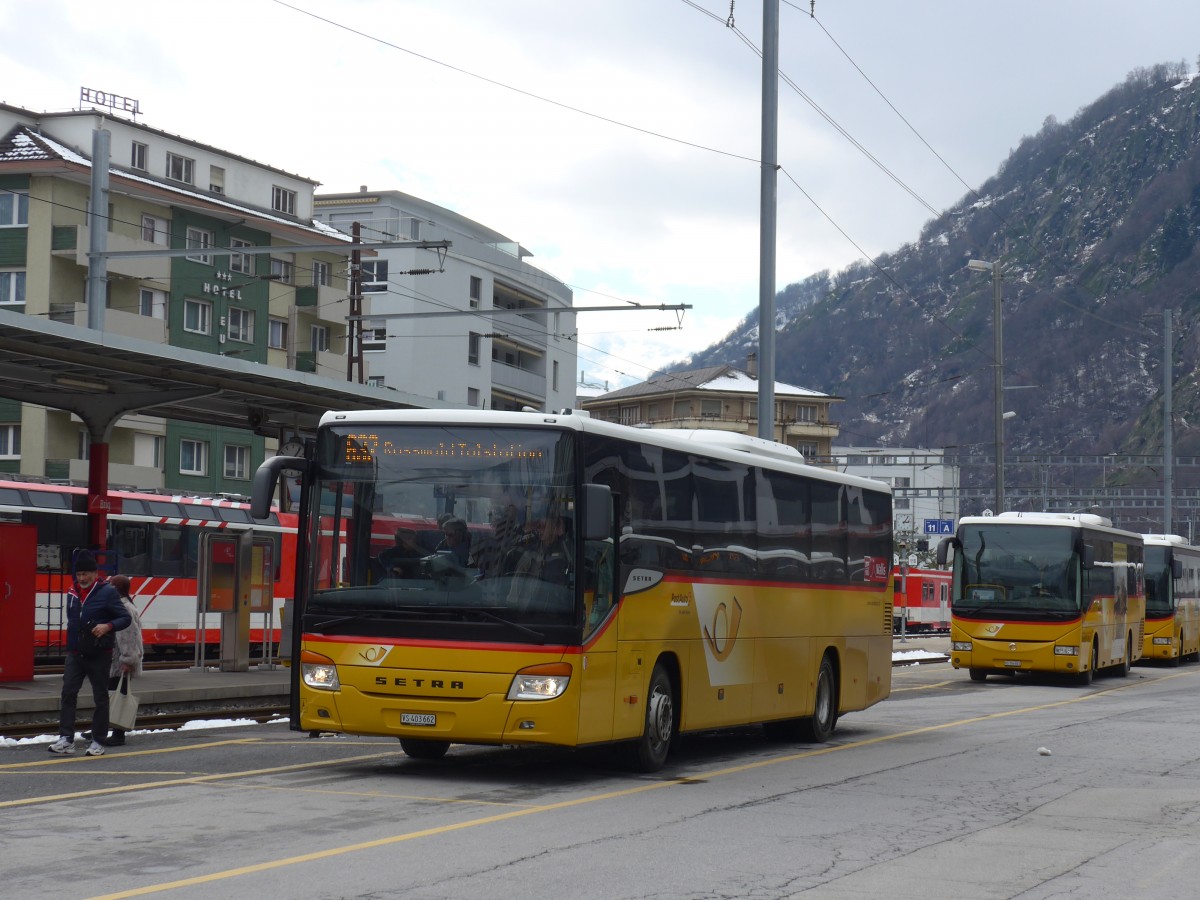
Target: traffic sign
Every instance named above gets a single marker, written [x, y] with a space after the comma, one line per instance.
[939, 526]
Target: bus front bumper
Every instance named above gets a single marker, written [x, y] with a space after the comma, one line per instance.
[1018, 656]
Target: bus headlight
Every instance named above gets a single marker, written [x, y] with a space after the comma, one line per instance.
[1066, 651]
[543, 682]
[960, 646]
[1164, 640]
[322, 676]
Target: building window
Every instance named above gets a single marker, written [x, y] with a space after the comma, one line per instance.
[473, 348]
[148, 450]
[807, 450]
[710, 409]
[216, 179]
[901, 481]
[199, 239]
[180, 168]
[472, 396]
[240, 262]
[374, 278]
[152, 303]
[554, 377]
[277, 334]
[137, 156]
[193, 457]
[414, 229]
[10, 441]
[283, 200]
[154, 230]
[683, 409]
[14, 208]
[374, 336]
[321, 274]
[653, 411]
[376, 381]
[12, 287]
[237, 461]
[319, 339]
[806, 413]
[629, 415]
[240, 326]
[197, 316]
[476, 291]
[281, 270]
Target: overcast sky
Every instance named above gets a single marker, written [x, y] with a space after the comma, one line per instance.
[617, 140]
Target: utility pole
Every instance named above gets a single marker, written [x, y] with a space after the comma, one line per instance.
[767, 220]
[354, 356]
[1168, 428]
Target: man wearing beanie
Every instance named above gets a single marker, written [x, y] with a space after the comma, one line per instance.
[94, 612]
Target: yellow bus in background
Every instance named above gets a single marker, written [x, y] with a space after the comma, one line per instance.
[1045, 592]
[1172, 599]
[597, 583]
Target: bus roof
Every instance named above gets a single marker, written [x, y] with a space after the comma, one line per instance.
[1069, 520]
[729, 446]
[1165, 540]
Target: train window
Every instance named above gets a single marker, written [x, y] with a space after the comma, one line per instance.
[132, 507]
[11, 497]
[202, 513]
[131, 541]
[233, 514]
[47, 500]
[168, 549]
[164, 509]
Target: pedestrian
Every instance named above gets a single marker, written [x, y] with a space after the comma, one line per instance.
[94, 614]
[126, 657]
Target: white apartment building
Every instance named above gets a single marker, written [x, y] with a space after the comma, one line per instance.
[926, 488]
[433, 332]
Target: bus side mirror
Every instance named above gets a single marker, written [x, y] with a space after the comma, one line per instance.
[1087, 555]
[943, 549]
[262, 490]
[597, 512]
[1176, 568]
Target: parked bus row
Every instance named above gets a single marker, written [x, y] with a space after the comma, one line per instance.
[1070, 594]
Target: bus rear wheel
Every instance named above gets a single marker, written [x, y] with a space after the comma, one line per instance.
[818, 727]
[650, 750]
[419, 748]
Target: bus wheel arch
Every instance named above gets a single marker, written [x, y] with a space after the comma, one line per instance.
[1122, 668]
[661, 721]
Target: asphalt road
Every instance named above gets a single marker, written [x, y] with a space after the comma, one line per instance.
[1013, 788]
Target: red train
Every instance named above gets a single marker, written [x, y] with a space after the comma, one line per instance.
[922, 601]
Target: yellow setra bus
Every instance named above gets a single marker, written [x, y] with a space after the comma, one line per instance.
[1172, 599]
[526, 578]
[1045, 592]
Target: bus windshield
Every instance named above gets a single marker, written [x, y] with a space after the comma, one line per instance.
[1158, 581]
[450, 524]
[1019, 571]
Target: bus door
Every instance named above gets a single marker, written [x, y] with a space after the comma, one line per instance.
[597, 586]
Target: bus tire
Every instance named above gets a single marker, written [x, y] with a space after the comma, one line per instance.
[420, 748]
[651, 749]
[818, 727]
[1086, 677]
[978, 674]
[1121, 669]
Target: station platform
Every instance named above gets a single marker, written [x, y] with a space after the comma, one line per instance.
[207, 691]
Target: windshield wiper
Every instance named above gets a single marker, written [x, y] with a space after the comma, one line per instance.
[484, 614]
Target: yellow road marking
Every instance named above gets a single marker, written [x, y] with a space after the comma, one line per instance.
[596, 798]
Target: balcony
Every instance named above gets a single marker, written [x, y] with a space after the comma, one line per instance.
[530, 384]
[72, 242]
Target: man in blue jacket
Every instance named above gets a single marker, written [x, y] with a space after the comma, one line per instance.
[94, 612]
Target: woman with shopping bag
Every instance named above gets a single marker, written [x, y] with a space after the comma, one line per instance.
[126, 664]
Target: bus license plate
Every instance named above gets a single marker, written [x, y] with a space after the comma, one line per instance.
[1013, 663]
[418, 719]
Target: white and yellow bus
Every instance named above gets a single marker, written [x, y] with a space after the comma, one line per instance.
[621, 585]
[1172, 599]
[1045, 592]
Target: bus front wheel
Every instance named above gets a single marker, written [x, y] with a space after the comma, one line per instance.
[1121, 669]
[650, 750]
[1087, 676]
[978, 674]
[423, 749]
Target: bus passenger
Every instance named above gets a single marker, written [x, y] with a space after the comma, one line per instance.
[543, 571]
[403, 559]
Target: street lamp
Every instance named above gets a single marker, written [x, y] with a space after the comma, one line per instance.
[979, 265]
